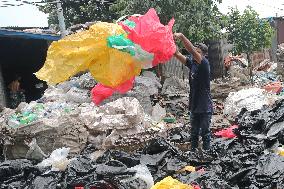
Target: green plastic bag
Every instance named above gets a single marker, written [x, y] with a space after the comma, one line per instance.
[121, 43]
[129, 23]
[125, 45]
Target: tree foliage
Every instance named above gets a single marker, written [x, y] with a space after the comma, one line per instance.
[199, 20]
[248, 32]
[79, 11]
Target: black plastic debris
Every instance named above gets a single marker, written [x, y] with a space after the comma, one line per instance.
[248, 161]
[130, 160]
[11, 168]
[47, 181]
[179, 134]
[269, 171]
[23, 174]
[80, 172]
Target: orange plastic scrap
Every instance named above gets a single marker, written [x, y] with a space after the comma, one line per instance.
[230, 59]
[88, 50]
[153, 36]
[275, 87]
[170, 183]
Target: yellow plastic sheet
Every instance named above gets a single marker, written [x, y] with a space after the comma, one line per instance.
[170, 183]
[114, 67]
[280, 151]
[88, 50]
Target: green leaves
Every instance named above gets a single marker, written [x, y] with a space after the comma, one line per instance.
[197, 19]
[248, 32]
[77, 12]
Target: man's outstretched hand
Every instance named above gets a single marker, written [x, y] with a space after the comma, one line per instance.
[188, 46]
[178, 36]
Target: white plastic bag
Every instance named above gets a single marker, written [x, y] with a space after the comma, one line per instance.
[158, 113]
[58, 160]
[142, 173]
[251, 99]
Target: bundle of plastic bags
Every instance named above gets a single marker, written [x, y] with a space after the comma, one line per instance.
[113, 53]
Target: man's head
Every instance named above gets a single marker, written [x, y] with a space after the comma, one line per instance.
[201, 48]
[17, 77]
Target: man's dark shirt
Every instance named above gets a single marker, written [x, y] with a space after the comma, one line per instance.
[199, 79]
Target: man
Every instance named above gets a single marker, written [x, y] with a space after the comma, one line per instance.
[201, 106]
[16, 93]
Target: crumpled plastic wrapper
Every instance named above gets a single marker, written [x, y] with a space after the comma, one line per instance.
[251, 99]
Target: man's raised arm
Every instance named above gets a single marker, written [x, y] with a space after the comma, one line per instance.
[189, 47]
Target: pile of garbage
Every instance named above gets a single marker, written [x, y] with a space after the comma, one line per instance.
[266, 65]
[239, 60]
[174, 97]
[140, 140]
[280, 59]
[65, 116]
[237, 67]
[176, 106]
[145, 87]
[265, 89]
[237, 77]
[265, 73]
[220, 88]
[268, 77]
[250, 98]
[251, 158]
[175, 86]
[237, 71]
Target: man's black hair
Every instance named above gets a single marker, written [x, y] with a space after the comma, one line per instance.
[202, 47]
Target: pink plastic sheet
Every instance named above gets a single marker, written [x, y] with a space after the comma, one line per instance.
[227, 133]
[153, 36]
[101, 92]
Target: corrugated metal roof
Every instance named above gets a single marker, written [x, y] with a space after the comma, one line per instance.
[28, 35]
[21, 28]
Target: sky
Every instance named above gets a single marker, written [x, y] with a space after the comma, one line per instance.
[22, 16]
[30, 16]
[265, 8]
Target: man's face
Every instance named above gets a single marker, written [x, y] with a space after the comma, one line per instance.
[199, 51]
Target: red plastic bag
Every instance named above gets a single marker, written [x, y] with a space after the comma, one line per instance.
[227, 133]
[123, 88]
[101, 92]
[153, 36]
[196, 186]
